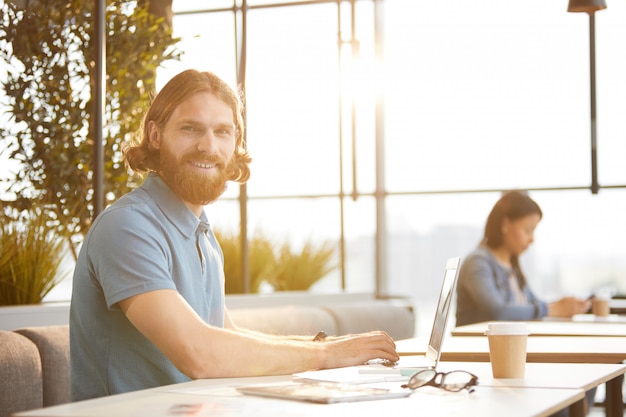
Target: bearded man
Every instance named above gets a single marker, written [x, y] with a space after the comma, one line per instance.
[148, 303]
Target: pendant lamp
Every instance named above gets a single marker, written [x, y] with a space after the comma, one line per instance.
[586, 6]
[590, 7]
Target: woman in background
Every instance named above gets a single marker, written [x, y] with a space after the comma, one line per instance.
[491, 284]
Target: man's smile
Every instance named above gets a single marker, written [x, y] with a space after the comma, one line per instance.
[203, 165]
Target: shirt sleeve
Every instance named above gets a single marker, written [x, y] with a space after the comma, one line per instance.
[128, 254]
[488, 290]
[541, 307]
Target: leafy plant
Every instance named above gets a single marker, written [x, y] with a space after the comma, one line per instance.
[31, 256]
[261, 261]
[276, 265]
[298, 271]
[48, 50]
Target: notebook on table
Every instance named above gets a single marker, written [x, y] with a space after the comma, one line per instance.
[378, 371]
[323, 392]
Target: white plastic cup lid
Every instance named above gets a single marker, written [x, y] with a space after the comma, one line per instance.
[507, 327]
[602, 296]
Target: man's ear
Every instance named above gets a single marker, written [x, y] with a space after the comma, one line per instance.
[154, 135]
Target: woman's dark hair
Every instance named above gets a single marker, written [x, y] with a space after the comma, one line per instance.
[512, 205]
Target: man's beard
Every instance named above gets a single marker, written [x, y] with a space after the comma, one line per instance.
[191, 186]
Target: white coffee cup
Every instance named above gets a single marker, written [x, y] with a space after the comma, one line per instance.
[507, 348]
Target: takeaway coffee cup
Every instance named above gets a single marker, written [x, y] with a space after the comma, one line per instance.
[600, 306]
[507, 348]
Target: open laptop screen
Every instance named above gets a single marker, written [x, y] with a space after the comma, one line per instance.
[433, 351]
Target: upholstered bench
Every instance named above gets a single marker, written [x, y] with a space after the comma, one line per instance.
[333, 318]
[35, 368]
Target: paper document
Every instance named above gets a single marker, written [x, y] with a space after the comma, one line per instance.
[363, 374]
[324, 392]
[348, 375]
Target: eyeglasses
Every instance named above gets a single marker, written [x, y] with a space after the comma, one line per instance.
[450, 381]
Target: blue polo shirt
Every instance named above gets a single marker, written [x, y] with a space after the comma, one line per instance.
[148, 240]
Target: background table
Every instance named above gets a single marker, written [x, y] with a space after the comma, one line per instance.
[557, 349]
[611, 318]
[555, 328]
[618, 305]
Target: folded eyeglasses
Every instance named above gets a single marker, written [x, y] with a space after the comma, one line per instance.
[450, 381]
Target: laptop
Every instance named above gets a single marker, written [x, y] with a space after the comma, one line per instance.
[411, 364]
[377, 371]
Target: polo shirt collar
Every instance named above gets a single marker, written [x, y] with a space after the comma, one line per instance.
[172, 206]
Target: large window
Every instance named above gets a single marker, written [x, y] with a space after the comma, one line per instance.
[390, 127]
[478, 97]
[499, 91]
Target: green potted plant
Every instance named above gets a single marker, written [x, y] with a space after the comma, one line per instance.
[262, 262]
[299, 270]
[276, 265]
[47, 57]
[32, 251]
[47, 53]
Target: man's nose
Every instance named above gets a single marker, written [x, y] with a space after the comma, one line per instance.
[207, 143]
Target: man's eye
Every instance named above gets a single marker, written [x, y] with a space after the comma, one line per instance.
[190, 128]
[224, 132]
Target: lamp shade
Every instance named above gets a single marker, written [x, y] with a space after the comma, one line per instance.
[587, 6]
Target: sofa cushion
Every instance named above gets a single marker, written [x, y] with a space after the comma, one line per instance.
[285, 320]
[20, 367]
[363, 316]
[53, 343]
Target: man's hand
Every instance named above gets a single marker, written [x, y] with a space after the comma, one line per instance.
[356, 349]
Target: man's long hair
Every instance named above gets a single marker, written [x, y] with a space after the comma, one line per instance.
[144, 158]
[512, 205]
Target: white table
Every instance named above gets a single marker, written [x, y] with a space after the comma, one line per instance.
[594, 328]
[588, 317]
[543, 375]
[549, 375]
[542, 349]
[219, 398]
[563, 349]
